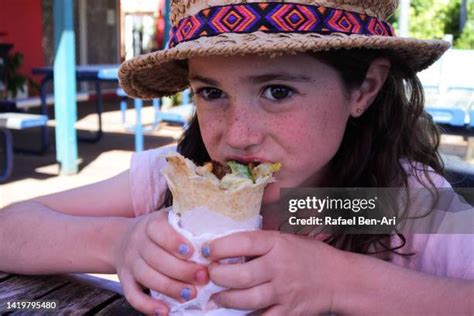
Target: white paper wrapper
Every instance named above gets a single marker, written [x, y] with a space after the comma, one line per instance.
[199, 226]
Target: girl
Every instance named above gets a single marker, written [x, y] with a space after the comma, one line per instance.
[325, 88]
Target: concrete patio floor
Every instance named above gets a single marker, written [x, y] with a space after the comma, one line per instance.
[35, 175]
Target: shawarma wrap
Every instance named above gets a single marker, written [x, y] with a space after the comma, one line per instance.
[234, 190]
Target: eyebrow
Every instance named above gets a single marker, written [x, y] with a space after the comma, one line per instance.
[257, 79]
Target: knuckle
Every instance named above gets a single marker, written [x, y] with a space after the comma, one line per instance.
[136, 269]
[247, 242]
[150, 227]
[245, 278]
[275, 268]
[166, 287]
[280, 245]
[257, 299]
[135, 240]
[277, 293]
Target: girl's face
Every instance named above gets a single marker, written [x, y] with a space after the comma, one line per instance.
[289, 109]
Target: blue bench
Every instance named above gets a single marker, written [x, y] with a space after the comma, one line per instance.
[178, 115]
[15, 121]
[21, 105]
[447, 115]
[25, 104]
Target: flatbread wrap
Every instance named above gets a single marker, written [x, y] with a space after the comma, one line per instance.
[234, 190]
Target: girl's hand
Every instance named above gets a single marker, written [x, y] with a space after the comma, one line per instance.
[153, 255]
[290, 275]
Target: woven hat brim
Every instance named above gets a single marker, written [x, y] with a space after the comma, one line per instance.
[161, 74]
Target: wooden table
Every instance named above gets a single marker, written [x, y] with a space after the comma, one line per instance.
[75, 294]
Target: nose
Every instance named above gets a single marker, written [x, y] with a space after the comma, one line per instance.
[244, 128]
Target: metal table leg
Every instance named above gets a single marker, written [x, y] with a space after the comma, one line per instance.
[8, 154]
[44, 111]
[99, 109]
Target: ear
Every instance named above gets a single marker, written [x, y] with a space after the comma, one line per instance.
[362, 97]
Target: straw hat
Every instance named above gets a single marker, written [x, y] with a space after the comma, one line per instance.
[233, 27]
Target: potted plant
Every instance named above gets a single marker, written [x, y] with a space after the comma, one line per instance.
[17, 83]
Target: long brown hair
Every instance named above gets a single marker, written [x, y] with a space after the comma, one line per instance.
[394, 128]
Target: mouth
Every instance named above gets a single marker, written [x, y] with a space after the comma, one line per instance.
[247, 161]
[251, 167]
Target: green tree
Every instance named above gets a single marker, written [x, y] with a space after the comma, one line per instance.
[428, 18]
[452, 18]
[432, 19]
[465, 40]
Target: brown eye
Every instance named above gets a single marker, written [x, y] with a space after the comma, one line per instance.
[210, 93]
[277, 93]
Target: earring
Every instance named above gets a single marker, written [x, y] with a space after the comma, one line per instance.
[359, 111]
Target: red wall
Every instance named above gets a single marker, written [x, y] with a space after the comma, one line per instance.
[22, 21]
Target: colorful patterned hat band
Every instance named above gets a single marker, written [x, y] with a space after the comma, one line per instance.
[271, 17]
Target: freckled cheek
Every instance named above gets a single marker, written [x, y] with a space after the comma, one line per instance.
[314, 138]
[290, 132]
[331, 123]
[212, 127]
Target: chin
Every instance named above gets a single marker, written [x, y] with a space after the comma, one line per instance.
[271, 194]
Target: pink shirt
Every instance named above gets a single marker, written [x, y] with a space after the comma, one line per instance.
[449, 255]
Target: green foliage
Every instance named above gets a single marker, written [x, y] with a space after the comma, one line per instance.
[466, 40]
[452, 18]
[15, 80]
[432, 19]
[428, 18]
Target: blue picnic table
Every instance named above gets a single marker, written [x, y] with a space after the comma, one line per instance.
[109, 73]
[84, 73]
[180, 114]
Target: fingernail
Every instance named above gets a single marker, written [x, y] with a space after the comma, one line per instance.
[206, 251]
[186, 294]
[183, 249]
[201, 276]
